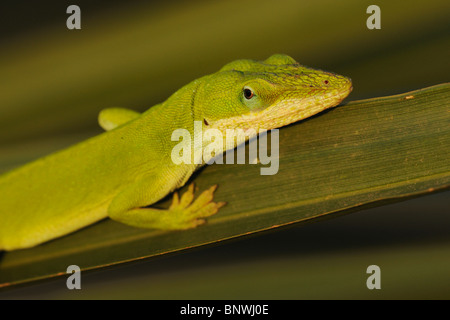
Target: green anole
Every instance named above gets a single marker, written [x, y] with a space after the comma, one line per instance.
[121, 172]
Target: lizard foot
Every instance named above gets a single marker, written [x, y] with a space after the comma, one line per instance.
[188, 213]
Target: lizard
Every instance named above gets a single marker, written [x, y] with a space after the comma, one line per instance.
[121, 172]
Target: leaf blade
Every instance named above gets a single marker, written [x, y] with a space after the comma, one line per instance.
[362, 153]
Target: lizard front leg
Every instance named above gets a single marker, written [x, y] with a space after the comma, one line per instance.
[185, 213]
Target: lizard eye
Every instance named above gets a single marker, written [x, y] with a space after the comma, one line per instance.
[248, 93]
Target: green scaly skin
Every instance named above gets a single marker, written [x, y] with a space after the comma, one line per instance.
[118, 173]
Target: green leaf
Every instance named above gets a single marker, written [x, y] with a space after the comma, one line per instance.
[360, 154]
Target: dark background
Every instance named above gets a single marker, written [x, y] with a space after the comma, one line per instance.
[43, 67]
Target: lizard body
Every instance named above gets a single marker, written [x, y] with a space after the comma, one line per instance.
[122, 171]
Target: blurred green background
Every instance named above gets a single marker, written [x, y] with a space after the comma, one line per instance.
[55, 81]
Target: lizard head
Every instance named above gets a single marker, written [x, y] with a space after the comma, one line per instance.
[249, 94]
